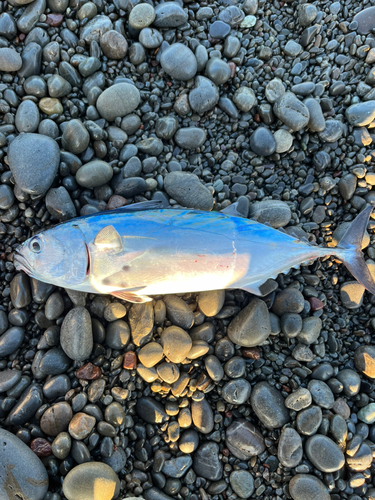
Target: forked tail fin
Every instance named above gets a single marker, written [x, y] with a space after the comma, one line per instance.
[349, 250]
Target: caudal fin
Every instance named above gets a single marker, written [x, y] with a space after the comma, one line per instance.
[349, 250]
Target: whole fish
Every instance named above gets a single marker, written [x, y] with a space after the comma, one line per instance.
[140, 250]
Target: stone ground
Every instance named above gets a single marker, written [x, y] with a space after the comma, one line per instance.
[216, 395]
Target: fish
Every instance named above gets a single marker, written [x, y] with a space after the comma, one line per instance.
[142, 250]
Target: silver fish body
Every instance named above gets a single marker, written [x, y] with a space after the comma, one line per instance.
[154, 252]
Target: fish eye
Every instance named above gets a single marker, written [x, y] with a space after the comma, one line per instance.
[35, 245]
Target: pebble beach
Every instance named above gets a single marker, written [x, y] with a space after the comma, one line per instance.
[217, 395]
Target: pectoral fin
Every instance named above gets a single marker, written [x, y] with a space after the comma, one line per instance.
[108, 237]
[131, 297]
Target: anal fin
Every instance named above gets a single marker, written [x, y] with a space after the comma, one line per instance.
[131, 296]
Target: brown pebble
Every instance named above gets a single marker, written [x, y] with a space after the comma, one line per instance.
[88, 372]
[251, 353]
[232, 69]
[41, 447]
[315, 304]
[130, 360]
[116, 201]
[54, 19]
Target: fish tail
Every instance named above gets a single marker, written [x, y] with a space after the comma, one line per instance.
[349, 250]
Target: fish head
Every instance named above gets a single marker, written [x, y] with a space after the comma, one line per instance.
[58, 256]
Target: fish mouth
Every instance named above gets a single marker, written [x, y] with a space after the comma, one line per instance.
[21, 263]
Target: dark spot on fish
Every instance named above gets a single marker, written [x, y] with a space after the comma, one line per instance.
[126, 268]
[88, 260]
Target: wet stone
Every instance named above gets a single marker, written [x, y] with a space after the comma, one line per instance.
[236, 392]
[8, 379]
[202, 416]
[188, 190]
[177, 467]
[27, 117]
[299, 399]
[290, 450]
[56, 387]
[324, 453]
[96, 27]
[218, 70]
[244, 440]
[118, 100]
[307, 487]
[141, 16]
[242, 483]
[276, 214]
[151, 411]
[26, 406]
[141, 321]
[204, 95]
[262, 142]
[33, 160]
[20, 291]
[113, 45]
[291, 111]
[251, 326]
[171, 62]
[178, 312]
[351, 382]
[268, 404]
[81, 482]
[76, 334]
[81, 425]
[169, 15]
[214, 368]
[11, 340]
[27, 470]
[364, 360]
[206, 462]
[56, 419]
[59, 204]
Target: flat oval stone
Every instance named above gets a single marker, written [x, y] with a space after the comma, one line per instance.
[94, 480]
[118, 100]
[22, 474]
[94, 174]
[151, 354]
[268, 405]
[309, 420]
[96, 27]
[291, 111]
[141, 16]
[361, 114]
[179, 62]
[11, 340]
[190, 137]
[176, 343]
[10, 60]
[262, 142]
[307, 487]
[27, 117]
[75, 137]
[242, 483]
[81, 425]
[321, 394]
[169, 15]
[202, 415]
[218, 70]
[33, 160]
[324, 453]
[244, 440]
[76, 334]
[211, 302]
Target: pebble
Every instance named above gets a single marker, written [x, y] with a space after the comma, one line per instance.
[170, 62]
[310, 332]
[276, 213]
[94, 480]
[350, 380]
[27, 117]
[251, 326]
[244, 440]
[8, 379]
[360, 114]
[113, 44]
[268, 404]
[299, 399]
[169, 15]
[204, 95]
[244, 98]
[307, 487]
[94, 174]
[236, 392]
[321, 394]
[177, 467]
[202, 416]
[242, 483]
[33, 160]
[76, 334]
[141, 322]
[28, 403]
[22, 472]
[290, 451]
[291, 111]
[367, 414]
[151, 411]
[218, 70]
[118, 100]
[262, 142]
[56, 419]
[11, 340]
[214, 368]
[10, 60]
[188, 190]
[75, 137]
[206, 462]
[324, 453]
[178, 312]
[283, 140]
[190, 137]
[211, 302]
[364, 360]
[141, 16]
